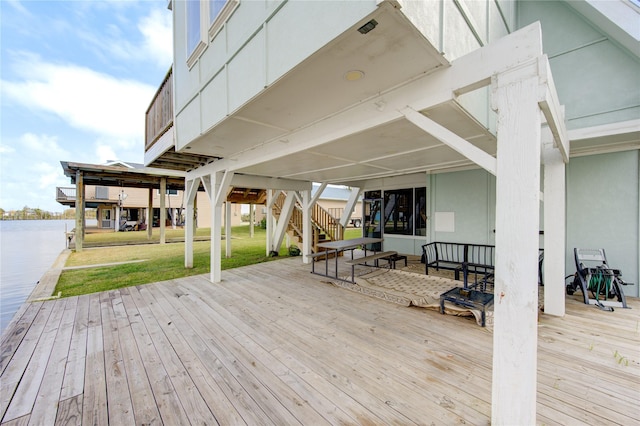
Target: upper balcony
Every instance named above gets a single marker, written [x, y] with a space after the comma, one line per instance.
[159, 115]
[159, 147]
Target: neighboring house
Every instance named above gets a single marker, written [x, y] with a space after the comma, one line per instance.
[478, 121]
[124, 208]
[334, 200]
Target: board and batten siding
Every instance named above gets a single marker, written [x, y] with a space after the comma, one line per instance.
[596, 78]
[603, 198]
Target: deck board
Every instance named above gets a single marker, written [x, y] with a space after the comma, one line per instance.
[274, 344]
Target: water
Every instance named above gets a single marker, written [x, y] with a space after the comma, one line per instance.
[28, 249]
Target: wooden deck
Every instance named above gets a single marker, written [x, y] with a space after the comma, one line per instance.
[274, 344]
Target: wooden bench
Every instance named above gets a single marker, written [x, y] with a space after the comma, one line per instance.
[370, 258]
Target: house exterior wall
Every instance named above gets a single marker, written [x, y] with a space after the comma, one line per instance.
[259, 43]
[603, 193]
[597, 79]
[603, 202]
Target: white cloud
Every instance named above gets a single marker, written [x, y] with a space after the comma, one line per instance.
[154, 43]
[156, 29]
[39, 146]
[84, 98]
[105, 153]
[31, 171]
[17, 5]
[5, 149]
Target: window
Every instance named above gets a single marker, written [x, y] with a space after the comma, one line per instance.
[195, 36]
[215, 6]
[404, 210]
[203, 15]
[398, 211]
[219, 12]
[170, 192]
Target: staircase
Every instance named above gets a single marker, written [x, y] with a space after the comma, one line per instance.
[324, 226]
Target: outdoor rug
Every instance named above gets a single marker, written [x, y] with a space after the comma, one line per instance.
[410, 286]
[411, 289]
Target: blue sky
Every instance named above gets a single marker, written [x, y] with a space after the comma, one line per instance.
[76, 78]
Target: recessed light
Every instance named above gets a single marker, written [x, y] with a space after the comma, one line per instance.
[354, 75]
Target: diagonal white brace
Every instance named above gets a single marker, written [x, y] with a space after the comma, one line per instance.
[455, 142]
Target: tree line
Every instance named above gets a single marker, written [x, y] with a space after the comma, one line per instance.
[28, 213]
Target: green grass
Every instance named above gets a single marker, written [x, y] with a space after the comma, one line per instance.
[162, 262]
[133, 237]
[351, 233]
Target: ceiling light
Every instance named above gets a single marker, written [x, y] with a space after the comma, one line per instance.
[368, 26]
[353, 75]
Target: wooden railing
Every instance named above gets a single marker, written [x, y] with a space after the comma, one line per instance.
[327, 223]
[159, 116]
[321, 221]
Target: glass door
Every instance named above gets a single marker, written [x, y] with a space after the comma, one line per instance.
[372, 226]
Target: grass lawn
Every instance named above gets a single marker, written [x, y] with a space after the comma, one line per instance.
[162, 262]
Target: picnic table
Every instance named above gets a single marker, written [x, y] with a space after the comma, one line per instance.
[336, 247]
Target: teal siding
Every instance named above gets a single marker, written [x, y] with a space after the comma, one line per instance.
[602, 210]
[470, 195]
[597, 80]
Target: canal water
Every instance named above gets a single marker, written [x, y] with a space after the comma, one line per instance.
[28, 248]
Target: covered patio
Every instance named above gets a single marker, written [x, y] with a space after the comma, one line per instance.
[274, 344]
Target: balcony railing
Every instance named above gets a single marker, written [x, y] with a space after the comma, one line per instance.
[159, 117]
[65, 194]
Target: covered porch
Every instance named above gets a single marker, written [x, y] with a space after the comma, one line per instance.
[274, 344]
[386, 104]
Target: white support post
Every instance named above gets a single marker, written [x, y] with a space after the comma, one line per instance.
[351, 204]
[117, 215]
[269, 219]
[191, 191]
[163, 210]
[79, 233]
[307, 233]
[252, 218]
[149, 215]
[227, 229]
[220, 182]
[283, 220]
[515, 333]
[554, 227]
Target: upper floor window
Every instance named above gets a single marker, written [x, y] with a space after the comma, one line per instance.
[195, 39]
[219, 12]
[215, 6]
[204, 19]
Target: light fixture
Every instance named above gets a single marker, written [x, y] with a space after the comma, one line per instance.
[354, 75]
[368, 26]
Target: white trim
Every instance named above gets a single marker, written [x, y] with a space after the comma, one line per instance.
[550, 105]
[554, 208]
[604, 130]
[221, 19]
